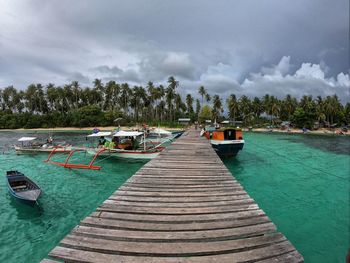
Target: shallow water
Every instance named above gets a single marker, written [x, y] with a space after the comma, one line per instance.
[302, 183]
[27, 234]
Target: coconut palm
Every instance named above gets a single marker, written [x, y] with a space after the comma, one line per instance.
[217, 106]
[207, 97]
[232, 104]
[189, 103]
[202, 91]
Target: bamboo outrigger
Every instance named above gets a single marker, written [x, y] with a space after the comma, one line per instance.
[66, 164]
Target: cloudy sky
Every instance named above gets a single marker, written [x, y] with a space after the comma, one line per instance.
[250, 47]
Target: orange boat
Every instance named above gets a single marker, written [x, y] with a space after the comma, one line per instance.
[227, 142]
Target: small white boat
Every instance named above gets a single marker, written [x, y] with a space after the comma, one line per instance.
[30, 145]
[159, 133]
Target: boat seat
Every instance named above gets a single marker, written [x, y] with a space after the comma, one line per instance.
[19, 187]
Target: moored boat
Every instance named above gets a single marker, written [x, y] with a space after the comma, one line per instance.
[22, 188]
[129, 145]
[227, 142]
[30, 145]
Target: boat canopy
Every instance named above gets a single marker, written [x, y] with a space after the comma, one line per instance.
[99, 134]
[26, 139]
[127, 133]
[161, 131]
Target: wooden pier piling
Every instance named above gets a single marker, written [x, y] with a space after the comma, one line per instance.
[183, 206]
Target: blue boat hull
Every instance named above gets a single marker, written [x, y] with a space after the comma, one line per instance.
[227, 149]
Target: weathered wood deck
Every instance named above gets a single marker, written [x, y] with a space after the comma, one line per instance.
[183, 206]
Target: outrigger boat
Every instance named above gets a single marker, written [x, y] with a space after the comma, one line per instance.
[30, 145]
[129, 145]
[124, 144]
[227, 142]
[22, 188]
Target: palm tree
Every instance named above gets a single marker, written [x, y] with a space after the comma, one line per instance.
[125, 93]
[152, 91]
[202, 91]
[207, 97]
[171, 94]
[189, 103]
[76, 93]
[232, 104]
[98, 92]
[257, 107]
[198, 108]
[244, 106]
[289, 104]
[173, 84]
[217, 106]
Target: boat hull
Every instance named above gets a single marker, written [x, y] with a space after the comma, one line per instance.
[124, 154]
[26, 150]
[227, 148]
[29, 193]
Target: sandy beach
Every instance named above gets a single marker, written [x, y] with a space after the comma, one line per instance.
[83, 129]
[321, 131]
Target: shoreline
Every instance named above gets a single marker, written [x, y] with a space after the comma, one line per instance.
[322, 131]
[83, 129]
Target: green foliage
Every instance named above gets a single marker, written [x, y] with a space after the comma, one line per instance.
[300, 119]
[206, 113]
[99, 105]
[88, 116]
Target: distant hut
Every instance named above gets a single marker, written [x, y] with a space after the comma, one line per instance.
[184, 121]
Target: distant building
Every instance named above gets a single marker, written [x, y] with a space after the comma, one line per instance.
[184, 121]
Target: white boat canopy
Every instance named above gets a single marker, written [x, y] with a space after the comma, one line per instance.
[26, 139]
[99, 134]
[127, 133]
[161, 131]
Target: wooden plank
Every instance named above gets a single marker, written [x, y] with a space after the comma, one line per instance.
[176, 211]
[180, 205]
[290, 257]
[95, 239]
[180, 183]
[132, 225]
[252, 255]
[188, 194]
[211, 235]
[219, 188]
[234, 215]
[182, 199]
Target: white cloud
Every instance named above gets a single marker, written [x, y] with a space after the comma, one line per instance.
[309, 79]
[308, 70]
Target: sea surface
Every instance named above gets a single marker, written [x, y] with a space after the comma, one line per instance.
[27, 234]
[300, 181]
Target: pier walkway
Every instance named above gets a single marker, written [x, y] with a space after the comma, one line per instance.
[183, 206]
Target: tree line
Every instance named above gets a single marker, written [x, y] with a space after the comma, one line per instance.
[100, 105]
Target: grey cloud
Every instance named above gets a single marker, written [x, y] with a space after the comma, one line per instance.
[104, 69]
[79, 77]
[217, 44]
[130, 75]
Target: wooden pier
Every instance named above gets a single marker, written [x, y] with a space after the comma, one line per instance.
[183, 206]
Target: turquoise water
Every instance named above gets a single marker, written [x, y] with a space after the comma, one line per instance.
[302, 183]
[28, 234]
